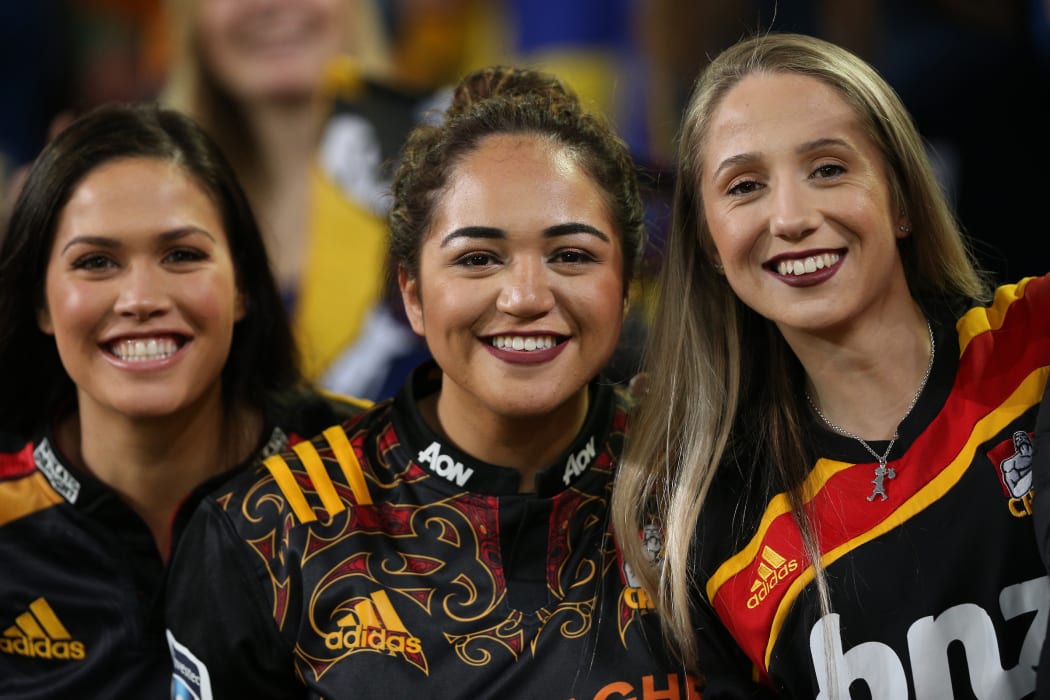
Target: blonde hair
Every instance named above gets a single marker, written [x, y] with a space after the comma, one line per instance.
[707, 382]
[193, 90]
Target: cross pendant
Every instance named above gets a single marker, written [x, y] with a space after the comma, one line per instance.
[881, 474]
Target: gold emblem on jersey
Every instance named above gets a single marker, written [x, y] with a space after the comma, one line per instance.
[373, 625]
[37, 633]
[772, 569]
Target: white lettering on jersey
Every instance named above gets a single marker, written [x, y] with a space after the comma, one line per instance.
[577, 464]
[876, 664]
[443, 465]
[61, 480]
[190, 678]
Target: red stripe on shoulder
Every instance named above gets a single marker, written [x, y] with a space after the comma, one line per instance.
[14, 465]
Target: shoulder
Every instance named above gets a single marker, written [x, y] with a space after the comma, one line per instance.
[313, 479]
[1019, 307]
[1010, 333]
[305, 412]
[16, 456]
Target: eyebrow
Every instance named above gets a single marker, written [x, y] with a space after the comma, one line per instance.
[490, 232]
[802, 148]
[112, 243]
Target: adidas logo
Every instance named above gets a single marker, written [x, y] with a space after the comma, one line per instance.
[38, 633]
[373, 624]
[772, 569]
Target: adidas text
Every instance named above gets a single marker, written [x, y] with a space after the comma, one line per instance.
[42, 648]
[373, 638]
[762, 587]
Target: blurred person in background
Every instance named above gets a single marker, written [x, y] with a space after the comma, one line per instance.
[300, 95]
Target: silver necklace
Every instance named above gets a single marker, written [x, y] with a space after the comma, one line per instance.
[882, 472]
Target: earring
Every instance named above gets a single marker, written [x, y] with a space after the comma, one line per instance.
[718, 267]
[904, 228]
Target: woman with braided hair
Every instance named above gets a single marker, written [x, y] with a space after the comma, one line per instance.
[455, 541]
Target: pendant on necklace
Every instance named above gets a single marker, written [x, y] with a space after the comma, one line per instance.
[881, 474]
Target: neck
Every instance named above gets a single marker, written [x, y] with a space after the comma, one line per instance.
[154, 463]
[286, 137]
[526, 443]
[285, 133]
[865, 381]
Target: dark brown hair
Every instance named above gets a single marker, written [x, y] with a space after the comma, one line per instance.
[507, 100]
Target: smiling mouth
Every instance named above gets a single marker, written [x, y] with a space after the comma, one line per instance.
[804, 266]
[144, 349]
[529, 343]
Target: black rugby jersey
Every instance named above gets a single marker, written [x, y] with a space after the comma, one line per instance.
[81, 580]
[1041, 518]
[378, 561]
[938, 589]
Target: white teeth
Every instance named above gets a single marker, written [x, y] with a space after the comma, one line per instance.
[807, 265]
[142, 350]
[527, 343]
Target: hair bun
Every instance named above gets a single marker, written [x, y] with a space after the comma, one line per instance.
[507, 82]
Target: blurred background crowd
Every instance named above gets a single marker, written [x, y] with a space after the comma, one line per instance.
[310, 99]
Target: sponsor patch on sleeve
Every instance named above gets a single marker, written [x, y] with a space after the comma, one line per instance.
[189, 680]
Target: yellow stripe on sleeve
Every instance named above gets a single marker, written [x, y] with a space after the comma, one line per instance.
[319, 476]
[282, 474]
[344, 452]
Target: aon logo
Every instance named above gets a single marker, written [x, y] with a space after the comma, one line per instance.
[443, 465]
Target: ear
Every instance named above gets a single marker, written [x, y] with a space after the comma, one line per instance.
[411, 300]
[43, 320]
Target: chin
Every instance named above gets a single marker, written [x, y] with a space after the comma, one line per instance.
[287, 87]
[534, 407]
[153, 409]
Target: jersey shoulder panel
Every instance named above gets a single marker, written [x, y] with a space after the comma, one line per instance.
[315, 479]
[16, 457]
[23, 489]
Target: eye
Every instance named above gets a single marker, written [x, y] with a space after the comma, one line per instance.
[828, 170]
[93, 261]
[744, 187]
[185, 255]
[572, 256]
[475, 260]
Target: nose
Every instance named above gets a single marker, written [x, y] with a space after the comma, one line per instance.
[526, 292]
[793, 216]
[143, 294]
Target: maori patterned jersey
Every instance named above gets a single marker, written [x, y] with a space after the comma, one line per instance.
[81, 580]
[937, 591]
[378, 561]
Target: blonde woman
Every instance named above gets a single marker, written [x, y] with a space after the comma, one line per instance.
[836, 436]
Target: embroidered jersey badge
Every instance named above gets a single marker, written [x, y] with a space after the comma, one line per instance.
[635, 597]
[374, 625]
[1013, 458]
[38, 633]
[772, 569]
[189, 678]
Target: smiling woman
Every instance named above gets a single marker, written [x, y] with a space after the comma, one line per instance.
[141, 294]
[460, 529]
[838, 407]
[135, 297]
